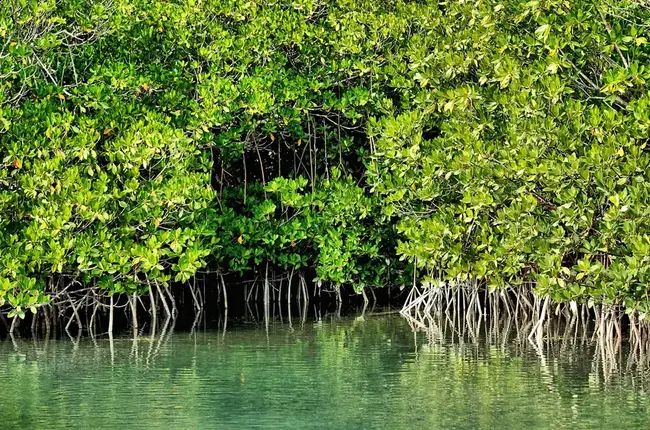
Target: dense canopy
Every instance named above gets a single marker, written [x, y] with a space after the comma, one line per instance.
[143, 140]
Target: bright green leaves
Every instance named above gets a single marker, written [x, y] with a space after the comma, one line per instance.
[143, 140]
[97, 172]
[333, 230]
[530, 166]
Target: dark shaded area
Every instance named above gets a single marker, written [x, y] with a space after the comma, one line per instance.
[245, 305]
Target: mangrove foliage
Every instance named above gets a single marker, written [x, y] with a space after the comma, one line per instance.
[365, 143]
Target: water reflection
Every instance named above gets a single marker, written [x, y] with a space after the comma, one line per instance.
[369, 371]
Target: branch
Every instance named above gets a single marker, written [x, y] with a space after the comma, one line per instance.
[609, 31]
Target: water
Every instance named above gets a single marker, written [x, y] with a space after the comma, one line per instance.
[371, 372]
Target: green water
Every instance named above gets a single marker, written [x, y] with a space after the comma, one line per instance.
[373, 372]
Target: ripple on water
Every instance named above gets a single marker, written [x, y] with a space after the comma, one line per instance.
[348, 373]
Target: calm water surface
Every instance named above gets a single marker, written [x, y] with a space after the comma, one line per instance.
[371, 372]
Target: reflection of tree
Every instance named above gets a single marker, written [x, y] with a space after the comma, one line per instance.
[336, 372]
[495, 360]
[555, 336]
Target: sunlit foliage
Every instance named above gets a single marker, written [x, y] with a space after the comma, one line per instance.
[144, 140]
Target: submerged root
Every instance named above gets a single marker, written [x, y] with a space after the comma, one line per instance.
[561, 332]
[536, 319]
[96, 312]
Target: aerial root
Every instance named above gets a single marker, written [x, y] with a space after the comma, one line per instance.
[469, 302]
